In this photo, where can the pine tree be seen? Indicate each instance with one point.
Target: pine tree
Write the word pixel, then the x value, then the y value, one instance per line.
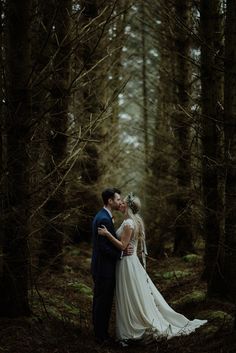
pixel 211 102
pixel 52 238
pixel 181 125
pixel 15 278
pixel 95 17
pixel 230 150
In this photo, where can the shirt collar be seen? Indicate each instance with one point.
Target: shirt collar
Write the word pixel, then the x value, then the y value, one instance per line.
pixel 108 211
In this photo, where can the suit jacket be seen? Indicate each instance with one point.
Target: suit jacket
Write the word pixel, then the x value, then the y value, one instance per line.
pixel 105 254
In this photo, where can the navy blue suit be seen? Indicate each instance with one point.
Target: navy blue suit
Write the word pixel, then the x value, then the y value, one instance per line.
pixel 103 266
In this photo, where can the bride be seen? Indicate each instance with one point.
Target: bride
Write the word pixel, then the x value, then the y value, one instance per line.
pixel 141 311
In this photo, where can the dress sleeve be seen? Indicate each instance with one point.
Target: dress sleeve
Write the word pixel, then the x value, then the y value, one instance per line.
pixel 129 222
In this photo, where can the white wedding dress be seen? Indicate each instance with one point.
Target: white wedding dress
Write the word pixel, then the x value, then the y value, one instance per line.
pixel 141 311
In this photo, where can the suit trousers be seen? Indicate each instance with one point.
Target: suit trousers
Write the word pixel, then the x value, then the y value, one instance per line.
pixel 102 305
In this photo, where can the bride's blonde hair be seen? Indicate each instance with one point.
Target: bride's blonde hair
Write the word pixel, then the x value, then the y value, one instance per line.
pixel 134 206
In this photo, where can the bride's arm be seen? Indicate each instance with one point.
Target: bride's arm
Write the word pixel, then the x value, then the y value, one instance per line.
pixel 124 240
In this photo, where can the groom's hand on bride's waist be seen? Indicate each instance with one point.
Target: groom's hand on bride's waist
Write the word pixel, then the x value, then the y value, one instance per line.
pixel 129 250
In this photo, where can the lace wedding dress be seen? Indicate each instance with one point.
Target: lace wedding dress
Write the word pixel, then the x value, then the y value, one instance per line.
pixel 141 311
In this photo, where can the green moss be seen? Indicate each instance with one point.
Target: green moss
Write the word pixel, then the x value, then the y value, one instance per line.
pixel 191 298
pixel 73 251
pixel 53 311
pixel 71 309
pixel 175 274
pixel 215 319
pixel 218 315
pixel 192 258
pixel 209 329
pixel 81 288
pixel 68 269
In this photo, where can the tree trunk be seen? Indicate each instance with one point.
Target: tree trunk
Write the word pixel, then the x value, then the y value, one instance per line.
pixel 116 80
pixel 14 281
pixel 181 124
pixel 144 84
pixel 92 54
pixel 42 54
pixel 160 210
pixel 1 92
pixel 2 171
pixel 211 97
pixel 230 150
pixel 52 238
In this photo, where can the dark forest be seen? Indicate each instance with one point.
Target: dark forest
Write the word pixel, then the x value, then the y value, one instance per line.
pixel 138 95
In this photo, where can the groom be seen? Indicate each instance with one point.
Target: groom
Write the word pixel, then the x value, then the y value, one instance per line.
pixel 103 266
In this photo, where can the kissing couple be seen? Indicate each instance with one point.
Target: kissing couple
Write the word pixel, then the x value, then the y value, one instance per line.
pixel 142 314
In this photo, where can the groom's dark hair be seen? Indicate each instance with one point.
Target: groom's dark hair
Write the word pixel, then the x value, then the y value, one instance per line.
pixel 109 193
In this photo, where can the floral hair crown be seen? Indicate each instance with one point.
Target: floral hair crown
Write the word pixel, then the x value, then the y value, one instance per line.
pixel 130 203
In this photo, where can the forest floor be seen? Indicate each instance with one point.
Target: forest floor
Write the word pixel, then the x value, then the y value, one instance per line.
pixel 61 305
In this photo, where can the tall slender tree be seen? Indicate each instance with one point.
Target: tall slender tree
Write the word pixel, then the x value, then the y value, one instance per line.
pixel 41 53
pixel 2 145
pixel 1 86
pixel 230 149
pixel 211 101
pixel 15 280
pixel 144 82
pixel 160 184
pixel 52 239
pixel 95 17
pixel 117 78
pixel 181 125
pixel 1 96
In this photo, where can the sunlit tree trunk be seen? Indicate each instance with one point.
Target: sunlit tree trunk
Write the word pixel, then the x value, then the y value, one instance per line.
pixel 115 83
pixel 211 100
pixel 181 124
pixel 118 37
pixel 15 280
pixel 230 150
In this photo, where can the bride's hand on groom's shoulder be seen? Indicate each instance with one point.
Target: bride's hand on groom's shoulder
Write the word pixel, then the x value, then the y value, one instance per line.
pixel 102 230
